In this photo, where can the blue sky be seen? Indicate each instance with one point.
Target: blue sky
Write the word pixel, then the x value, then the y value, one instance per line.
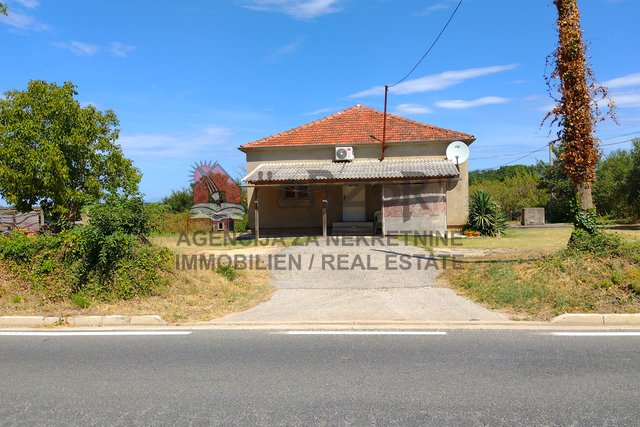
pixel 192 80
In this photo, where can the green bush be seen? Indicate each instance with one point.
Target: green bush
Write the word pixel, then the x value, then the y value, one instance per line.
pixel 227 271
pixel 485 215
pixel 603 244
pixel 17 247
pixel 240 226
pixel 156 213
pixel 109 258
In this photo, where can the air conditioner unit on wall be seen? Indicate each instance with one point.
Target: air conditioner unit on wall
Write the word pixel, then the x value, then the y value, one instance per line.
pixel 344 154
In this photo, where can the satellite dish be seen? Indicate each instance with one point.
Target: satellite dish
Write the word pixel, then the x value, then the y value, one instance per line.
pixel 458 152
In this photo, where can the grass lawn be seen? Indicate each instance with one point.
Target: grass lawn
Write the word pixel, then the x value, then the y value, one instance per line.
pixel 631 232
pixel 518 242
pixel 523 240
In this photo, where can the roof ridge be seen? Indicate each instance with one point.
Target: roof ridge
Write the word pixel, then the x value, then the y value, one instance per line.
pixel 414 122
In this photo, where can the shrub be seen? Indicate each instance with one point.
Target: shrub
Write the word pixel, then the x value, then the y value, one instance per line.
pixel 155 213
pixel 240 226
pixel 17 247
pixel 485 215
pixel 227 271
pixel 109 258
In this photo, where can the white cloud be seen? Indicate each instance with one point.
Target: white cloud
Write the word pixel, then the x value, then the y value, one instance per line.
pixel 435 81
pixel 301 9
pixel 120 50
pixel 459 104
pixel 437 7
pixel 22 21
pixel 150 145
pixel 30 4
pixel 322 111
pixel 624 81
pixel 546 108
pixel 79 48
pixel 285 50
pixel 629 99
pixel 412 109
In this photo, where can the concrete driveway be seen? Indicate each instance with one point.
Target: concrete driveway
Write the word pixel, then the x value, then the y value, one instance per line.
pixel 359 279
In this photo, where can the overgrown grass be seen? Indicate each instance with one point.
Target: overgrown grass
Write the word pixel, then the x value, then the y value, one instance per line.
pixel 191 296
pixel 601 277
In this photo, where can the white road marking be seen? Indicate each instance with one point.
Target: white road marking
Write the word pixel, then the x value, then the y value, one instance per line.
pixel 596 334
pixel 89 333
pixel 351 332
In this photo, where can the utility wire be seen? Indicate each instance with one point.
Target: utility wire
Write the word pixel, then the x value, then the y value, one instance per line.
pixel 620 136
pixel 527 153
pixel 431 47
pixel 542 148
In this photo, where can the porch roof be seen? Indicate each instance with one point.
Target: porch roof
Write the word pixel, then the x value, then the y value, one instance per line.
pixel 359 170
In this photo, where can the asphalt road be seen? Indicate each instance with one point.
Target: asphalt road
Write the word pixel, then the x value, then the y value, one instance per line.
pixel 267 378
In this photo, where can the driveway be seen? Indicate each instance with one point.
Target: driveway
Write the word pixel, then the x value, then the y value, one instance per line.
pixel 359 279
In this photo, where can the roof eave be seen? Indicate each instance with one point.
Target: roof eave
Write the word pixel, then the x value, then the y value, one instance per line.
pixel 248 147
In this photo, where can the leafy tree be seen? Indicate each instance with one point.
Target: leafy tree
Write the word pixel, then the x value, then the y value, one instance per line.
pixel 576 111
pixel 57 154
pixel 610 190
pixel 504 172
pixel 179 200
pixel 561 192
pixel 513 187
pixel 3 9
pixel 633 180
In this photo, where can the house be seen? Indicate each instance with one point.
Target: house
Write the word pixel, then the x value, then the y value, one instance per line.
pixel 335 175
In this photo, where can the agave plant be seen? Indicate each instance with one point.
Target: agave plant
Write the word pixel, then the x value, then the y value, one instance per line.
pixel 485 215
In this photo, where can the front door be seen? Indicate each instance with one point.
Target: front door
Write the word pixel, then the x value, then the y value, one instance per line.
pixel 353 203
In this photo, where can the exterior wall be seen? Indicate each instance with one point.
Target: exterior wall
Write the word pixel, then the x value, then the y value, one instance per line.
pixel 457 189
pixel 458 198
pixel 414 208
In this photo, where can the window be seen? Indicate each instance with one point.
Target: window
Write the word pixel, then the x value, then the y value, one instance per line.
pixel 296 192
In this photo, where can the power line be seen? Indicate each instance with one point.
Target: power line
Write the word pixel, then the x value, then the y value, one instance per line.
pixel 538 150
pixel 430 47
pixel 503 155
pixel 617 143
pixel 620 136
pixel 544 147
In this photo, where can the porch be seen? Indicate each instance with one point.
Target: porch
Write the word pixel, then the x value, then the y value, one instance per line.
pixel 390 197
pixel 375 208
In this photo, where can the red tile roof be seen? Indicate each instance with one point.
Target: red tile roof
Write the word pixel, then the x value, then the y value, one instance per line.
pixel 358 124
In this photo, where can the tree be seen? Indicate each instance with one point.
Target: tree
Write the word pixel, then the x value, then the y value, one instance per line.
pixel 610 188
pixel 57 154
pixel 561 192
pixel 633 180
pixel 179 200
pixel 576 110
pixel 3 9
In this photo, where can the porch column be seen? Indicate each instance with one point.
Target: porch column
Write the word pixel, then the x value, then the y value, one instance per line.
pixel 256 213
pixel 325 204
pixel 384 226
